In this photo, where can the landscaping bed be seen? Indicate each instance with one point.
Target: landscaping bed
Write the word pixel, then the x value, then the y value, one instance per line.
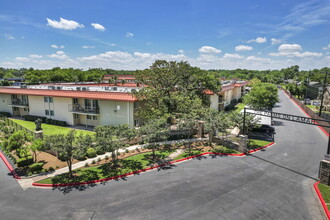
pixel 325 191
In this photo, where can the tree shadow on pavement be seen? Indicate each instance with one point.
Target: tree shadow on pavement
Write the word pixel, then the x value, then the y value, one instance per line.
pixel 283 167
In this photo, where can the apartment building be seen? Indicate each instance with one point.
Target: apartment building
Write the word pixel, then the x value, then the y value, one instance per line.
pixel 231 90
pixel 93 104
pixel 77 104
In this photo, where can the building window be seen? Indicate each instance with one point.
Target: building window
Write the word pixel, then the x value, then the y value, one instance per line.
pixel 47 112
pixel 89 117
pixel 94 117
pixel 15 109
pixel 76 116
pixel 14 97
pixel 75 101
pixel 48 99
pixel 51 113
pixel 26 109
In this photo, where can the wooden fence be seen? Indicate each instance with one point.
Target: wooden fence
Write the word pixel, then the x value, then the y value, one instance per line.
pixel 309 112
pixel 17 126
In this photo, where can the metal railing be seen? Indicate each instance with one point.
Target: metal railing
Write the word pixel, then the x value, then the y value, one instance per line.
pixel 83 109
pixel 18 102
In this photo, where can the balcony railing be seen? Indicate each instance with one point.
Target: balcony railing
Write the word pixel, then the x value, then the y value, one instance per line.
pixel 83 109
pixel 18 102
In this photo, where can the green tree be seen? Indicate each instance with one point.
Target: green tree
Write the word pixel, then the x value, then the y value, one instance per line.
pixel 66 148
pixel 154 131
pixel 251 121
pixel 18 139
pixel 36 147
pixel 173 87
pixel 262 96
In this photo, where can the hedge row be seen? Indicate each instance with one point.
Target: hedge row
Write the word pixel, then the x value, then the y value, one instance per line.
pixel 44 120
pixel 6 114
pixel 26 161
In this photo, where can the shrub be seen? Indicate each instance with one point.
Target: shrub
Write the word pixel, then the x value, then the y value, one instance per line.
pixel 93 162
pixel 86 165
pixel 100 151
pixel 106 157
pixel 6 114
pixel 36 167
pixel 126 151
pixel 51 169
pixel 34 118
pixel 48 120
pixel 57 167
pixel 23 162
pixel 91 152
pixel 99 159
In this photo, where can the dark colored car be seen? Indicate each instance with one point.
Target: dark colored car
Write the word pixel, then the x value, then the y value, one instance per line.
pixel 265 128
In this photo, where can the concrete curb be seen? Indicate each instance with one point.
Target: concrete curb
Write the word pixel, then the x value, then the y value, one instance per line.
pixel 10 168
pixel 149 168
pixel 324 205
pixel 326 133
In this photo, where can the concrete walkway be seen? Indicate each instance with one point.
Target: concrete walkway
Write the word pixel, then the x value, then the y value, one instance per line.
pixel 27 182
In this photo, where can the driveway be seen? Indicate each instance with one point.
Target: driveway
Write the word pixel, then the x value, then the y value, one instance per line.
pixel 273 184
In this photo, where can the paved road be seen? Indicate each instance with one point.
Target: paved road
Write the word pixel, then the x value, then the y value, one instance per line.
pixel 273 184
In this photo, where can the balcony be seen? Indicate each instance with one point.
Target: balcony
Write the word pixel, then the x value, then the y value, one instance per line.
pixel 83 109
pixel 18 102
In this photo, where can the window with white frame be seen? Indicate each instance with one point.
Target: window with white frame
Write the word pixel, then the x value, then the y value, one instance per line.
pixel 46 112
pixel 89 117
pixel 51 112
pixel 94 117
pixel 76 116
pixel 48 99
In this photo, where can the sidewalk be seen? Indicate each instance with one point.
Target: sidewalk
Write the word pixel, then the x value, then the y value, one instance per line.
pixel 27 182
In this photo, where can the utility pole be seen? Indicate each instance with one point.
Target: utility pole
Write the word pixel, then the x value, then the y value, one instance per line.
pixel 324 86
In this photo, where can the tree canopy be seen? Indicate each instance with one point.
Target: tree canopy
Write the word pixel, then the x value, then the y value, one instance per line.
pixel 262 96
pixel 173 87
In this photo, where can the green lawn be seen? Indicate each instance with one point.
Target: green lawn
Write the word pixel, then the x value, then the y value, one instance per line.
pixel 50 129
pixel 127 165
pixel 312 107
pixel 254 144
pixel 239 107
pixel 325 191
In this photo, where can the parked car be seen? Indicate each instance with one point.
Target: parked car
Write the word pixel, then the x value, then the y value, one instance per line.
pixel 316 103
pixel 308 102
pixel 264 128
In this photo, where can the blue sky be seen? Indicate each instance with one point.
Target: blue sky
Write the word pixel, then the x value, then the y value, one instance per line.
pixel 131 34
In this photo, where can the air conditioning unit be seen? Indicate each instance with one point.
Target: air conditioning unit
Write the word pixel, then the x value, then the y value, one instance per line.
pixel 58 87
pixel 114 88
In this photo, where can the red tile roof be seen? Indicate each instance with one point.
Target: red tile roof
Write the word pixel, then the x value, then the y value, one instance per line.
pixel 114 96
pixel 127 84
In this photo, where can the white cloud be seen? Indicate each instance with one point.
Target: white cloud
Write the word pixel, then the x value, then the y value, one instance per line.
pixel 258 40
pixel 57 46
pixel 209 50
pixel 113 45
pixel 233 56
pixel 258 59
pixel 276 41
pixel 9 37
pixel 64 24
pixel 180 51
pixel 243 48
pixel 98 26
pixel 88 47
pixel 327 47
pixel 58 55
pixel 293 50
pixel 35 56
pixel 128 34
pixel 289 47
pixel 22 59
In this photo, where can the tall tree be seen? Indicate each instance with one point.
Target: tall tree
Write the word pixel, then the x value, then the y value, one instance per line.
pixel 173 87
pixel 262 96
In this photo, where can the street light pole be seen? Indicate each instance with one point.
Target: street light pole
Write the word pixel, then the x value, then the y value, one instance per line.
pixel 309 74
pixel 244 121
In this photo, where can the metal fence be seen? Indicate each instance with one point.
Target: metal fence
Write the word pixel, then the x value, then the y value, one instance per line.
pixel 309 112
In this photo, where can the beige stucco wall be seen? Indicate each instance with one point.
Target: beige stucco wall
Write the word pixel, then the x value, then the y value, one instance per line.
pixel 4 100
pixel 59 106
pixel 214 99
pixel 110 115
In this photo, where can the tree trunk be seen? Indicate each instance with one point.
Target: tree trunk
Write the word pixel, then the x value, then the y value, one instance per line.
pixel 154 153
pixel 69 162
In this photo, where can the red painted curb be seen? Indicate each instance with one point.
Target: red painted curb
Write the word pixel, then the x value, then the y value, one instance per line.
pixel 10 168
pixel 326 133
pixel 146 169
pixel 324 205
